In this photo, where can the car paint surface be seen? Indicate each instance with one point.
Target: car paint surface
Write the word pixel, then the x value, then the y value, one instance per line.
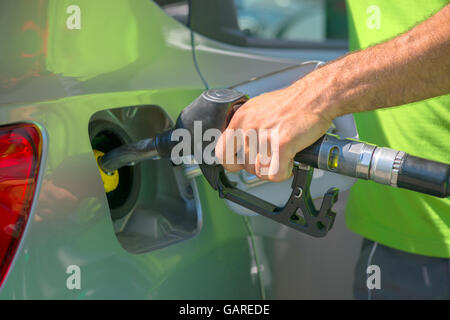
pixel 125 53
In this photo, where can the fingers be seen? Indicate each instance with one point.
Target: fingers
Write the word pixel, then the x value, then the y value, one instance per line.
pixel 264 157
pixel 256 152
pixel 281 170
pixel 272 163
pixel 274 168
pixel 242 146
pixel 237 150
pixel 226 151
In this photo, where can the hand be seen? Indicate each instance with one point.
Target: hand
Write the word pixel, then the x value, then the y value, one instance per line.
pixel 295 113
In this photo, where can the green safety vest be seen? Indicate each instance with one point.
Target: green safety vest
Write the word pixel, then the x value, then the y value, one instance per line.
pixel 398 218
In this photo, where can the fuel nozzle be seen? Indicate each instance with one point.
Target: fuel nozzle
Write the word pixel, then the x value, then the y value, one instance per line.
pixel 110 178
pixel 348 157
pixel 128 155
pixel 214 108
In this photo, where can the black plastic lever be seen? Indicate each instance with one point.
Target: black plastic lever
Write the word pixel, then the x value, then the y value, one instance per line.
pixel 298 213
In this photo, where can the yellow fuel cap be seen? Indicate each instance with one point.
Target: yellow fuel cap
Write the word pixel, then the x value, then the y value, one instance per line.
pixel 111 180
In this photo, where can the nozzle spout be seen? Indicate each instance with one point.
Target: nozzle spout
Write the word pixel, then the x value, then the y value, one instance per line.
pixel 128 154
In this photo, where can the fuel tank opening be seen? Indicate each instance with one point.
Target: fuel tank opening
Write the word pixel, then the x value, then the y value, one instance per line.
pixel 122 188
pixel 155 204
pixel 110 179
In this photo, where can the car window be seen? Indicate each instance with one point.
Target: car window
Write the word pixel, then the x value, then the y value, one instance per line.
pixel 319 24
pixel 310 20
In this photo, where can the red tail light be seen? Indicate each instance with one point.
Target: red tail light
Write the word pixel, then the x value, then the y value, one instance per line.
pixel 20 150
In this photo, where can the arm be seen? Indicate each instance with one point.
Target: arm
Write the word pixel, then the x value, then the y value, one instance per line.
pixel 411 67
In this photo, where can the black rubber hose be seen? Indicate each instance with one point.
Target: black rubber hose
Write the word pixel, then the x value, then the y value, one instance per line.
pixel 164 143
pixel 425 176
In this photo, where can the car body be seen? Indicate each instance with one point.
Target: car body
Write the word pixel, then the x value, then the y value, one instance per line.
pixel 69 64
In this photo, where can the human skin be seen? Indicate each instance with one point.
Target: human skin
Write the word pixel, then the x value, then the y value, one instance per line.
pixel 411 67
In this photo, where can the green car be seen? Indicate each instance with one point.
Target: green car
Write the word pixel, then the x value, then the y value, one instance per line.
pixel 84 75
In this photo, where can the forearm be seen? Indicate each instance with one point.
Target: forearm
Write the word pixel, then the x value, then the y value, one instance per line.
pixel 411 67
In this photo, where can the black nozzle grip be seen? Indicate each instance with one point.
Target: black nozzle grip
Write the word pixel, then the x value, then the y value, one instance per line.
pixel 310 155
pixel 164 143
pixel 213 109
pixel 425 176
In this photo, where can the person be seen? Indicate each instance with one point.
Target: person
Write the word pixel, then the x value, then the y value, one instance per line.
pixel 398 86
